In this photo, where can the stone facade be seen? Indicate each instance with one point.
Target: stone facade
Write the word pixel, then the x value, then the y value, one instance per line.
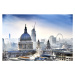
pixel 25 45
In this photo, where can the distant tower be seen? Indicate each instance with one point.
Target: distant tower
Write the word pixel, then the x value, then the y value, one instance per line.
pixel 52 40
pixel 3 43
pixel 33 34
pixel 38 44
pixel 48 45
pixel 9 36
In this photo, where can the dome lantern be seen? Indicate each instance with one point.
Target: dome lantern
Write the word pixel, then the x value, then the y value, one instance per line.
pixel 25 30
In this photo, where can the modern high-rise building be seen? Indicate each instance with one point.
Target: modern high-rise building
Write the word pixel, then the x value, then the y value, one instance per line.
pixel 33 34
pixel 9 36
pixel 52 39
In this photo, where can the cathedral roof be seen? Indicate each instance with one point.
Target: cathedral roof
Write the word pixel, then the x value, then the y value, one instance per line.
pixel 25 36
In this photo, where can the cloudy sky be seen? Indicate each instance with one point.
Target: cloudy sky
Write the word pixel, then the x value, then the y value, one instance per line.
pixel 46 25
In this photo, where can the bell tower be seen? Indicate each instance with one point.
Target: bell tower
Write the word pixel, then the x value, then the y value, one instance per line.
pixel 48 45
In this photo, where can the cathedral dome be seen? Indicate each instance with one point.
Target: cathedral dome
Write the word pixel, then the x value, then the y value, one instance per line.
pixel 25 36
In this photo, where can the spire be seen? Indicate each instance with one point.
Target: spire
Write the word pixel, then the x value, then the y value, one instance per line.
pixel 25 25
pixel 48 41
pixel 38 41
pixel 38 44
pixel 48 45
pixel 25 30
pixel 34 25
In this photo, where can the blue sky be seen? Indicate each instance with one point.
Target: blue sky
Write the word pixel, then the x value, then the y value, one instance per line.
pixel 46 24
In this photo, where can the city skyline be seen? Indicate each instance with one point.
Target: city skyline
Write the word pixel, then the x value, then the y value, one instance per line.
pixel 44 28
pixel 46 25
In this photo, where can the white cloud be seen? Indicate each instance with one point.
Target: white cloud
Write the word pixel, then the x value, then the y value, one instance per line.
pixel 15 26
